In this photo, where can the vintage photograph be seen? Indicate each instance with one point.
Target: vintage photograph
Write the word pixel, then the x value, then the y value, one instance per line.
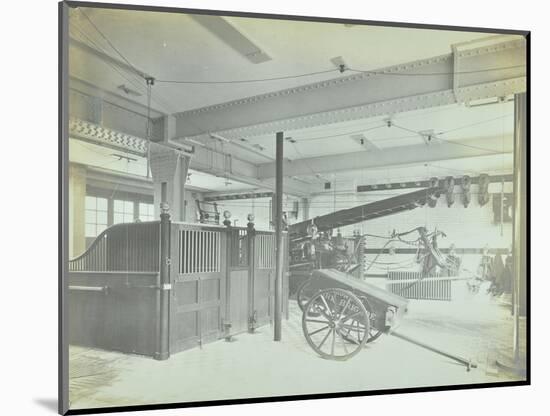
pixel 264 206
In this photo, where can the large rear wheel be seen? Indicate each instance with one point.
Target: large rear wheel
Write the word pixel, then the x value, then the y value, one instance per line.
pixel 336 324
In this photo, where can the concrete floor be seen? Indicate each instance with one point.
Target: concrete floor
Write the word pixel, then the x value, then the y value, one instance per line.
pixel 476 327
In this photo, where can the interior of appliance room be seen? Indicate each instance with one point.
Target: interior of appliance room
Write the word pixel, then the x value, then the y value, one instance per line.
pixel 251 198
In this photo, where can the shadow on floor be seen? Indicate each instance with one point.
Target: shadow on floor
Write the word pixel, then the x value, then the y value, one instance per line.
pixel 49 404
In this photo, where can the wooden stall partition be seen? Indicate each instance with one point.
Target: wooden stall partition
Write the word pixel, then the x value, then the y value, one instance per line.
pixel 113 290
pixel 263 277
pixel 198 279
pixel 286 275
pixel 238 281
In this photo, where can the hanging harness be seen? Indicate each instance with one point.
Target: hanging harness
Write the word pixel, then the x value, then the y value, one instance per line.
pixel 427 252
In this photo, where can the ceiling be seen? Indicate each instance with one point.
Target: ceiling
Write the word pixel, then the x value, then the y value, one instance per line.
pixel 172 46
pixel 450 123
pixel 177 47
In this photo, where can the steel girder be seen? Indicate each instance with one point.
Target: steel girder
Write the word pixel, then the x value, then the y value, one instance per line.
pixel 465 75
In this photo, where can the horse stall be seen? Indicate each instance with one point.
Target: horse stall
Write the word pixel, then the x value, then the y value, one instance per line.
pixel 157 288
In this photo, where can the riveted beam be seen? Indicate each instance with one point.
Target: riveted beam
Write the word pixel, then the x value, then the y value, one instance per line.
pixel 489 71
pixel 403 155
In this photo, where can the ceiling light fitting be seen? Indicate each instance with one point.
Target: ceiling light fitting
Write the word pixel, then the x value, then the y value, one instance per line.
pixel 427 136
pixel 129 91
pixel 339 63
pixel 195 142
pixel 220 138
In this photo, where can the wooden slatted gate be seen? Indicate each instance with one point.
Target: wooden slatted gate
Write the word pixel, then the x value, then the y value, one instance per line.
pixel 198 273
pixel 263 278
pixel 426 290
pixel 239 282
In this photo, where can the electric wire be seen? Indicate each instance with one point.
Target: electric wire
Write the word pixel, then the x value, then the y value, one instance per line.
pixel 303 75
pixel 304 160
pixel 476 123
pixel 244 81
pixel 429 74
pixel 342 134
pixel 453 142
pixel 87 38
pixel 368 125
pixel 135 82
pixel 414 132
pixel 371 72
pixel 308 74
pixel 110 43
pixel 137 72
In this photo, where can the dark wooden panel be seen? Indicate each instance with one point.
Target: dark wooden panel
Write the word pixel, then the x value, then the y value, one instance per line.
pixel 238 301
pixel 210 290
pixel 185 333
pixel 264 280
pixel 121 317
pixel 187 293
pixel 210 325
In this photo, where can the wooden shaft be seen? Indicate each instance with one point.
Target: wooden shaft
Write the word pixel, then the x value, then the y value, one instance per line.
pixel 461 360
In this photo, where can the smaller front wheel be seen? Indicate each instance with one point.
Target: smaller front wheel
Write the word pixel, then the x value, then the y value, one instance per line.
pixel 304 293
pixel 335 324
pixel 373 333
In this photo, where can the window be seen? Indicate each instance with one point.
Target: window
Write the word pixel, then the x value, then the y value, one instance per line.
pixel 123 211
pixel 96 215
pixel 146 212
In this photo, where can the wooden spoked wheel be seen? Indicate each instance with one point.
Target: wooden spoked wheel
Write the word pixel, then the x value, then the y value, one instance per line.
pixel 373 332
pixel 330 314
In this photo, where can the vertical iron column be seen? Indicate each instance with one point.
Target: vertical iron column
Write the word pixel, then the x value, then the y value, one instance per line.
pixel 228 264
pixel 251 252
pixel 163 351
pixel 516 363
pixel 279 266
pixel 519 223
